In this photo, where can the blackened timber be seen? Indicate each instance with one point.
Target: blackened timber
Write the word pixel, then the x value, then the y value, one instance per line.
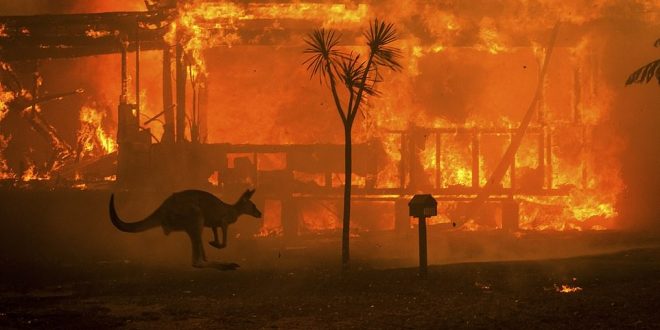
pixel 168 106
pixel 438 161
pixel 548 158
pixel 202 109
pixel 512 172
pixel 475 159
pixel 180 94
pixel 137 72
pixel 403 169
pixel 503 165
pixel 541 153
pixel 77 35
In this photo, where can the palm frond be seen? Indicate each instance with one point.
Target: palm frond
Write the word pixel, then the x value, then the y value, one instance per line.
pixel 351 72
pixel 322 45
pixel 645 74
pixel 379 36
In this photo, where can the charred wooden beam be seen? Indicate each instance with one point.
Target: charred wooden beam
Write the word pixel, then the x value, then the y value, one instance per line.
pixel 180 69
pixel 77 35
pixel 168 104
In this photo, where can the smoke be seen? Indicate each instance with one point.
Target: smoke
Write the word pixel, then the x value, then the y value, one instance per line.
pixel 465 63
pixel 43 7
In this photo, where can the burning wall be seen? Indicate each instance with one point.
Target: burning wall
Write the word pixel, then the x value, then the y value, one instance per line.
pixel 466 65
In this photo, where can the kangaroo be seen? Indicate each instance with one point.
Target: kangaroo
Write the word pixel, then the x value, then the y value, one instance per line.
pixel 191 211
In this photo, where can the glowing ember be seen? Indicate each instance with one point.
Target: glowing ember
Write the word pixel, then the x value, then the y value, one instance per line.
pixel 29 174
pixel 272 225
pixel 80 186
pixel 97 34
pixel 213 179
pixel 564 288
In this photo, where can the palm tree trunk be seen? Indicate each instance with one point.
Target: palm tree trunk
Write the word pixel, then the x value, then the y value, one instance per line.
pixel 346 222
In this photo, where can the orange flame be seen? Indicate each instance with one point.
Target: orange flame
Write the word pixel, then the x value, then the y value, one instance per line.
pixel 5 171
pixel 91 135
pixel 564 288
pixel 31 174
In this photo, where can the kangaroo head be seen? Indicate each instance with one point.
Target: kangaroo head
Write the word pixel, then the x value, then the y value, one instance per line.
pixel 246 206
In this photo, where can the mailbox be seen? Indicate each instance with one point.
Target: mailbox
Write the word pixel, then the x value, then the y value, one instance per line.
pixel 423 206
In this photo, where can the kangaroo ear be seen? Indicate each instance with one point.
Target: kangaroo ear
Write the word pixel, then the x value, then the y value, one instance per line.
pixel 248 194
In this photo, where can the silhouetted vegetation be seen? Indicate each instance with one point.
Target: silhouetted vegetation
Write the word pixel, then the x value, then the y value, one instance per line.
pixel 646 73
pixel 358 77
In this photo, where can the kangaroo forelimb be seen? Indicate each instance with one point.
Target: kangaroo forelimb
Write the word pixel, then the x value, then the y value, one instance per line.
pixel 215 242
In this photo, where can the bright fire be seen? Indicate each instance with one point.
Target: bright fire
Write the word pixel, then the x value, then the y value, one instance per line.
pixel 463 69
pixel 91 136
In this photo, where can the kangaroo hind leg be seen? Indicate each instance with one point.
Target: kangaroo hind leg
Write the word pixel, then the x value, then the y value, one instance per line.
pixel 195 234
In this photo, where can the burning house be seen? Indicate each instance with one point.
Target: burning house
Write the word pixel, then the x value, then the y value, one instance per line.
pixel 157 96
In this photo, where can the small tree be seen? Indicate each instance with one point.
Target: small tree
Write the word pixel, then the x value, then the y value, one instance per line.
pixel 358 77
pixel 646 73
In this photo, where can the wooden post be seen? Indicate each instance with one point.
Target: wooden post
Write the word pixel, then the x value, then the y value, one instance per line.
pixel 422 247
pixel 404 160
pixel 513 171
pixel 124 75
pixel 541 156
pixel 121 115
pixel 475 159
pixel 180 94
pixel 548 158
pixel 202 110
pixel 168 134
pixel 137 72
pixel 438 160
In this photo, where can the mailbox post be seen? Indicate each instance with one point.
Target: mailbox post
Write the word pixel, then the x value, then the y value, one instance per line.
pixel 421 207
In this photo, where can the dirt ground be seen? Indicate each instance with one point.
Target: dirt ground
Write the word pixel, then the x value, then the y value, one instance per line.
pixel 618 290
pixel 64 266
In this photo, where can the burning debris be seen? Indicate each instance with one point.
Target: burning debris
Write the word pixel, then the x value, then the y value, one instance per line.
pixel 564 288
pixel 92 138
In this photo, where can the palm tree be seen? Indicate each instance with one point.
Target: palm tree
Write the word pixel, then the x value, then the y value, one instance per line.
pixel 647 72
pixel 358 77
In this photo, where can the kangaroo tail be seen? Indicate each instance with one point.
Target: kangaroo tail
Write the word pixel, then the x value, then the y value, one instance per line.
pixel 132 227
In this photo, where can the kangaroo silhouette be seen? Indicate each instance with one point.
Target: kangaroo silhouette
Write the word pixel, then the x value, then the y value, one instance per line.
pixel 190 211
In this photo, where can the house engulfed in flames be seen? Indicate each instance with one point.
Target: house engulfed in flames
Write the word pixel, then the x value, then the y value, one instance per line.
pixel 212 95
